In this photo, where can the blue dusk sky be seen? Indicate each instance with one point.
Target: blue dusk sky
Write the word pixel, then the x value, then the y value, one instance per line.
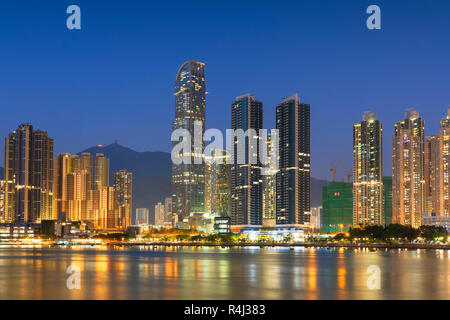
pixel 114 78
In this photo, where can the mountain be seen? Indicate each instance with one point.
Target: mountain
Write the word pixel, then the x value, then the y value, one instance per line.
pixel 152 174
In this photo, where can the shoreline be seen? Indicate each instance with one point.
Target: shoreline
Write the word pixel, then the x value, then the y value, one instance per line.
pixel 412 246
pixel 370 246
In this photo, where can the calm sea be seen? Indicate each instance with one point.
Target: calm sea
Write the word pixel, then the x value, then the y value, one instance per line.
pixel 222 273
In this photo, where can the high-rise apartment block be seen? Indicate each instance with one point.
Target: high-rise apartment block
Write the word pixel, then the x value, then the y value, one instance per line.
pixel 408 170
pixel 368 172
pixel 123 187
pixel 28 175
pixel 439 169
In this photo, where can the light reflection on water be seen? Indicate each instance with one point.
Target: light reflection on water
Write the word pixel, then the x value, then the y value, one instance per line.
pixel 222 273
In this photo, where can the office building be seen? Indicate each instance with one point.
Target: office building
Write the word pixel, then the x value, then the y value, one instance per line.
pixel 188 180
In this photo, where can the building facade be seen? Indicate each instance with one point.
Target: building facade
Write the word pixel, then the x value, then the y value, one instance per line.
pixel 293 193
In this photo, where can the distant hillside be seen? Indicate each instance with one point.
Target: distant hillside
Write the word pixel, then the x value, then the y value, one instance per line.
pixel 152 174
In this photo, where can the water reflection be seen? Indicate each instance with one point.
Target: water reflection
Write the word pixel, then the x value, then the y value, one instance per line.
pixel 222 273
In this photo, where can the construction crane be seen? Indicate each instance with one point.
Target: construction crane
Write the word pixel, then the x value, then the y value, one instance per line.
pixel 348 173
pixel 333 167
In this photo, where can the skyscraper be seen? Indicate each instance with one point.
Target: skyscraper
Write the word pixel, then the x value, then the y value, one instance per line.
pixel 440 168
pixel 408 170
pixel 246 180
pixel 101 171
pixel 123 186
pixel 28 175
pixel 188 180
pixel 367 171
pixel 293 178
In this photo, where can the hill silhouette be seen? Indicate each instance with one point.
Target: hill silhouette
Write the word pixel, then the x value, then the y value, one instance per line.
pixel 152 174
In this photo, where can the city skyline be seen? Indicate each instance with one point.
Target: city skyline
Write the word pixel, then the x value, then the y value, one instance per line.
pixel 135 86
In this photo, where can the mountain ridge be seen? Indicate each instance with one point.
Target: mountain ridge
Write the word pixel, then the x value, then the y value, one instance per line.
pixel 152 174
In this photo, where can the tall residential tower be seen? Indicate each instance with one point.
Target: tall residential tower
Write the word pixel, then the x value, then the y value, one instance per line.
pixel 408 170
pixel 28 175
pixel 368 171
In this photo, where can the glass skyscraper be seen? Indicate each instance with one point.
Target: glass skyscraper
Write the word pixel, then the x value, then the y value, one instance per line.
pixel 246 180
pixel 293 194
pixel 188 180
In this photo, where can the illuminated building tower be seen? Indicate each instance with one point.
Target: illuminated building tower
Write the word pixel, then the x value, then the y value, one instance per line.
pixel 440 168
pixel 101 171
pixel 28 175
pixel 188 180
pixel 2 201
pixel 107 209
pixel 217 183
pixel 159 214
pixel 62 168
pixel 123 185
pixel 408 170
pixel 293 178
pixel 367 172
pixel 270 188
pixel 80 196
pixel 246 180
